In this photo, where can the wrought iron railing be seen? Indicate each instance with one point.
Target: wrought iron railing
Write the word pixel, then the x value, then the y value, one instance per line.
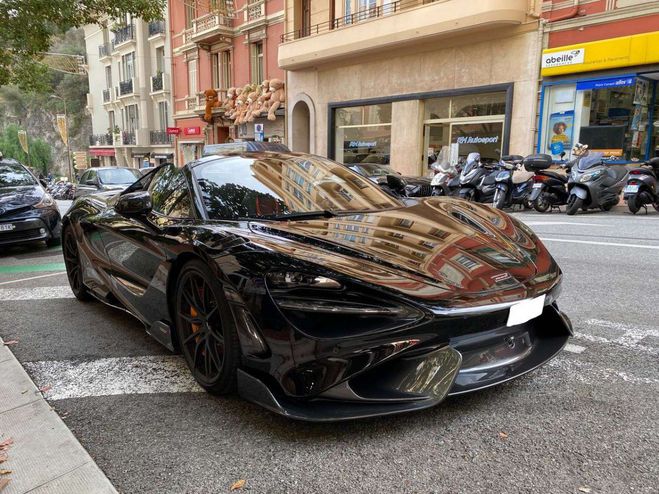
pixel 104 50
pixel 156 82
pixel 126 87
pixel 128 137
pixel 350 19
pixel 100 140
pixel 156 28
pixel 160 137
pixel 107 96
pixel 123 34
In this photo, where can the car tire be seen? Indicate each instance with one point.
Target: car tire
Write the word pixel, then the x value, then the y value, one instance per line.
pixel 71 254
pixel 573 205
pixel 205 329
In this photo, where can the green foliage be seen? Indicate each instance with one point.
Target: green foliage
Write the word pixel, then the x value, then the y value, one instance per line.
pixel 27 28
pixel 40 152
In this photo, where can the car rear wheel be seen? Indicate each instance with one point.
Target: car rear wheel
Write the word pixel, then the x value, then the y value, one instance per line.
pixel 72 264
pixel 205 329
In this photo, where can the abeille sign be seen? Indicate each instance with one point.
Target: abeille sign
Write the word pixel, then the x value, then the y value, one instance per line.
pixel 560 58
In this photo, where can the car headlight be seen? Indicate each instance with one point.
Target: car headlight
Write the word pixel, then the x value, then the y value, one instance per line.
pixel 300 280
pixel 46 202
pixel 591 176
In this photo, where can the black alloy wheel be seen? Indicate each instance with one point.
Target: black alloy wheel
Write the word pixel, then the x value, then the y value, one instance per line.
pixel 72 263
pixel 573 204
pixel 206 333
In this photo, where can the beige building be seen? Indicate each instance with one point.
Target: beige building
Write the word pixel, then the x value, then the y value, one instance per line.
pixel 403 82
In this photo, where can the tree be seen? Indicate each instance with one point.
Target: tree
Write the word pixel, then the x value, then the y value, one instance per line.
pixel 27 28
pixel 40 152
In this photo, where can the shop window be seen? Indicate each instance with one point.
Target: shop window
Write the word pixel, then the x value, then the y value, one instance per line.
pixel 437 108
pixel 363 134
pixel 478 105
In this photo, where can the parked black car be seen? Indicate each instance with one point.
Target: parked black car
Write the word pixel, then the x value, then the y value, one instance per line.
pixel 414 186
pixel 312 291
pixel 102 179
pixel 27 212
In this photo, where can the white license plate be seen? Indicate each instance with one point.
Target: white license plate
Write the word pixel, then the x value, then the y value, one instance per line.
pixel 631 189
pixel 7 227
pixel 525 311
pixel 537 186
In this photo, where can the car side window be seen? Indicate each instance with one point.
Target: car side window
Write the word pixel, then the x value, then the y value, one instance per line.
pixel 170 195
pixel 91 175
pixel 84 176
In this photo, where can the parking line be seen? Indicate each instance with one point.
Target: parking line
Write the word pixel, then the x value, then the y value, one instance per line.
pixel 36 293
pixel 31 278
pixel 574 348
pixel 590 242
pixel 31 268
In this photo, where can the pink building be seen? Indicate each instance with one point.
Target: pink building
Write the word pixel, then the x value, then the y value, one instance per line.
pixel 222 44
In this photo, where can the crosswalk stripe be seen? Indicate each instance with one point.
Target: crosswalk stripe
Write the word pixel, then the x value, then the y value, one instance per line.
pixel 113 376
pixel 36 293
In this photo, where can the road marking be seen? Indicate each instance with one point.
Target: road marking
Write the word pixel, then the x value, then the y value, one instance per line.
pixel 543 223
pixel 588 373
pixel 31 268
pixel 113 376
pixel 574 348
pixel 31 278
pixel 36 293
pixel 590 242
pixel 630 336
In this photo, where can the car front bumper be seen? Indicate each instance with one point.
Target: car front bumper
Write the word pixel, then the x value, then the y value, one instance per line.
pixel 30 226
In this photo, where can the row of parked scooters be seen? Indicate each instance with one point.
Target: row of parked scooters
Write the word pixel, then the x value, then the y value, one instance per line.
pixel 62 190
pixel 587 181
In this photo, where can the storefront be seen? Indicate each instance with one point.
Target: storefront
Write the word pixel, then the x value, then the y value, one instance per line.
pixel 613 108
pixel 453 124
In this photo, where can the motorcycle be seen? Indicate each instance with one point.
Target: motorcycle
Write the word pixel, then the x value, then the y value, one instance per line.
pixel 641 188
pixel 513 185
pixel 477 180
pixel 549 187
pixel 593 183
pixel 445 173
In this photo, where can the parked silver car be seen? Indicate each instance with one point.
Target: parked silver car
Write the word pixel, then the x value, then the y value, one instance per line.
pixel 106 179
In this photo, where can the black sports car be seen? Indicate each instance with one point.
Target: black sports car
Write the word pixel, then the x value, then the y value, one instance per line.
pixel 27 211
pixel 312 291
pixel 414 186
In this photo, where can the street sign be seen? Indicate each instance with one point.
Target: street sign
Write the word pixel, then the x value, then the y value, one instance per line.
pixel 192 131
pixel 258 132
pixel 80 160
pixel 173 131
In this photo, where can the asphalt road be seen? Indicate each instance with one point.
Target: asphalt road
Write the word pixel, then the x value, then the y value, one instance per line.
pixel 587 422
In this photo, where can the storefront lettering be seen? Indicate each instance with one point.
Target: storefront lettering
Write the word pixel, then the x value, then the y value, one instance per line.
pixel 362 144
pixel 569 57
pixel 478 140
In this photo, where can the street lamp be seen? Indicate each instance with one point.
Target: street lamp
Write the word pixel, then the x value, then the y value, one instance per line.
pixel 68 148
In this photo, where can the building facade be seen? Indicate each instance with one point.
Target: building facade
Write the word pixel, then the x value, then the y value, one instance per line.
pixel 223 52
pixel 129 67
pixel 600 68
pixel 401 82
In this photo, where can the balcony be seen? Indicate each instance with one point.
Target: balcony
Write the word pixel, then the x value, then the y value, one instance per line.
pixel 127 88
pixel 160 137
pixel 156 28
pixel 398 24
pixel 100 140
pixel 128 138
pixel 210 28
pixel 255 11
pixel 107 96
pixel 123 35
pixel 159 83
pixel 104 51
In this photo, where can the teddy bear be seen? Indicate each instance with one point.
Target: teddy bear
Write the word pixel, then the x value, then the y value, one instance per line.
pixel 251 103
pixel 241 98
pixel 230 103
pixel 277 97
pixel 261 104
pixel 212 101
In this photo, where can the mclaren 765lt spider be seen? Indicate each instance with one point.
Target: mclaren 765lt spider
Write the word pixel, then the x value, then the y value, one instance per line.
pixel 306 288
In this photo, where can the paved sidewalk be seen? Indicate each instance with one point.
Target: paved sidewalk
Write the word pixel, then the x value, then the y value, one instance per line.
pixel 45 457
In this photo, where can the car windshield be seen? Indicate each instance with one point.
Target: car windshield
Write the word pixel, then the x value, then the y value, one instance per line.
pixel 118 176
pixel 590 160
pixel 15 175
pixel 259 187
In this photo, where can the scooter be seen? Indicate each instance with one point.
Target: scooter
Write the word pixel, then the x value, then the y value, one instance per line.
pixel 641 188
pixel 513 185
pixel 593 183
pixel 549 187
pixel 477 180
pixel 444 173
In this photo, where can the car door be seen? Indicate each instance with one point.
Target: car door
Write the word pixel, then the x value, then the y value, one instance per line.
pixel 139 248
pixel 88 184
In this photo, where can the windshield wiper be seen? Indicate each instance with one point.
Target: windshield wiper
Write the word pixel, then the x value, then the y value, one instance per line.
pixel 300 215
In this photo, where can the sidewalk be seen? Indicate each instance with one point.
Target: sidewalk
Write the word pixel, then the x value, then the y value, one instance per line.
pixel 45 457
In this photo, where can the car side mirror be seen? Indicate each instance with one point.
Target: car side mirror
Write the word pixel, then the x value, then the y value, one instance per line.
pixel 134 203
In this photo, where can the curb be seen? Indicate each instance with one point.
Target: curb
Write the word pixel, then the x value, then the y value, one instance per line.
pixel 45 456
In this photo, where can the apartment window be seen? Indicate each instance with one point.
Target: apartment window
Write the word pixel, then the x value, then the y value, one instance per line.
pixel 190 12
pixel 224 69
pixel 257 62
pixel 128 66
pixel 108 76
pixel 160 59
pixel 132 118
pixel 163 115
pixel 111 121
pixel 192 77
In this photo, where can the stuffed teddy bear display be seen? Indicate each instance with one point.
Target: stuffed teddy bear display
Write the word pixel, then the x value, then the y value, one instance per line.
pixel 277 97
pixel 261 104
pixel 237 101
pixel 230 102
pixel 212 101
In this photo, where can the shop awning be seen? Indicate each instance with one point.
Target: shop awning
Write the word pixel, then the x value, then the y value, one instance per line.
pixel 101 152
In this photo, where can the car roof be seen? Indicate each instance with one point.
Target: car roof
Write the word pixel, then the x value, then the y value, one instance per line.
pixel 250 155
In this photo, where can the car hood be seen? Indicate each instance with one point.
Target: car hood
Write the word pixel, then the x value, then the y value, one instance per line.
pixel 16 198
pixel 439 250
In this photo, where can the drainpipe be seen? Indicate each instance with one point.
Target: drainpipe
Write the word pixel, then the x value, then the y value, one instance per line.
pixel 538 80
pixel 569 14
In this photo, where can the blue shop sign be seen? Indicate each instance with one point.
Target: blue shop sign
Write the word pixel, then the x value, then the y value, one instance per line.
pixel 606 83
